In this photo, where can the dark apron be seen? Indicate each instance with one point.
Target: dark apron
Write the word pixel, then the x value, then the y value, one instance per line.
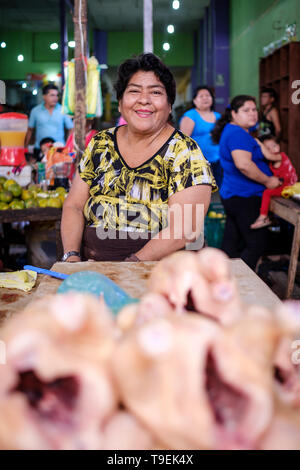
pixel 108 249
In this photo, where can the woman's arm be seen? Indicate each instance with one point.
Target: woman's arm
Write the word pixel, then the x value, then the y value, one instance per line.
pixel 28 136
pixel 243 161
pixel 187 125
pixel 273 157
pixel 187 210
pixel 274 117
pixel 72 222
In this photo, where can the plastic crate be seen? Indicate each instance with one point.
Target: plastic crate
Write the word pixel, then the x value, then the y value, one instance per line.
pixel 214 227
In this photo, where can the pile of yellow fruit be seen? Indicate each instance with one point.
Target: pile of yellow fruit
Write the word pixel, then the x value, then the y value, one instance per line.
pixel 215 215
pixel 13 196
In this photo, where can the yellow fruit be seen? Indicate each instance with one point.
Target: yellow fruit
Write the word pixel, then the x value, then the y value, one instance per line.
pixel 3 206
pixel 61 190
pixel 15 189
pixel 42 202
pixel 219 216
pixel 17 204
pixel 2 179
pixel 62 198
pixel 26 195
pixel 34 187
pixel 29 203
pixel 8 183
pixel 54 202
pixel 6 196
pixel 1 187
pixel 212 214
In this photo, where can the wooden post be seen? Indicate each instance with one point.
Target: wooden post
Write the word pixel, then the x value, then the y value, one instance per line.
pixel 80 27
pixel 148 26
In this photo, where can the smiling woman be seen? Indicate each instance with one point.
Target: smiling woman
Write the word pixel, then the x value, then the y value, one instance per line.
pixel 132 177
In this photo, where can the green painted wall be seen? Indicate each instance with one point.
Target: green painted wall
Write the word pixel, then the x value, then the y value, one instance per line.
pixel 30 45
pixel 254 25
pixel 39 58
pixel 122 45
pixel 35 47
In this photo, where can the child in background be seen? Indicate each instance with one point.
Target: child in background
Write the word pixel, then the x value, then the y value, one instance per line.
pixel 45 145
pixel 281 167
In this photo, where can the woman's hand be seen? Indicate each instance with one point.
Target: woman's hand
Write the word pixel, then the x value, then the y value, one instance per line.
pixel 273 182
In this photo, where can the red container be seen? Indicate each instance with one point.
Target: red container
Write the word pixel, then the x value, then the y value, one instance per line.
pixel 13 128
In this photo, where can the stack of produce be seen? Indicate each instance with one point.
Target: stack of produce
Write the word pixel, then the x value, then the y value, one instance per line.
pixel 13 196
pixel 188 367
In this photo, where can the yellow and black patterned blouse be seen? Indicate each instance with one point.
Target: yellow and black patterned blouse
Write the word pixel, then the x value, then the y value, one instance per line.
pixel 135 199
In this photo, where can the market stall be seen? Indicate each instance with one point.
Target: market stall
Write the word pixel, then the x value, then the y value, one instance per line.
pixel 195 363
pixel 290 211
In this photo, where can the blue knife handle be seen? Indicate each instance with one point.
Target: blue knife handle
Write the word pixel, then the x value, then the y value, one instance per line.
pixel 46 271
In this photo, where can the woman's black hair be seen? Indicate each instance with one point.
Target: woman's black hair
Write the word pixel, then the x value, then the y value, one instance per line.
pixel 147 62
pixel 264 138
pixel 47 140
pixel 273 93
pixel 211 92
pixel 226 118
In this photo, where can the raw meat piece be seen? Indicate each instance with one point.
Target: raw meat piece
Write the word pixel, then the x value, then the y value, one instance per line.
pixel 198 282
pixel 56 389
pixel 284 430
pixel 189 381
pixel 287 357
pixel 125 432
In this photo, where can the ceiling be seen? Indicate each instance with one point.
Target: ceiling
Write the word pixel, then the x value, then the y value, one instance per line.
pixel 107 15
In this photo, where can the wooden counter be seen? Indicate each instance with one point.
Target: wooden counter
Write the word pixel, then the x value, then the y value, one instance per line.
pixel 132 277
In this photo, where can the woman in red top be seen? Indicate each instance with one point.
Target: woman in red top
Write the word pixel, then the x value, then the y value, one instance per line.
pixel 281 167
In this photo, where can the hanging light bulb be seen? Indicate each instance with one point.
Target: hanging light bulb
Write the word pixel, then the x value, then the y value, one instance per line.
pixel 166 46
pixel 54 46
pixel 24 85
pixel 170 29
pixel 71 43
pixel 176 4
pixel 3 44
pixel 34 92
pixel 20 57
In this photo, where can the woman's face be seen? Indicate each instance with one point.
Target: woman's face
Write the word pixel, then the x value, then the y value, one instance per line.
pixel 266 99
pixel 272 146
pixel 144 104
pixel 247 115
pixel 203 100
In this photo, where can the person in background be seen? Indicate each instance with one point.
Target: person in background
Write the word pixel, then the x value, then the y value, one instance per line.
pixel 131 176
pixel 199 122
pixel 45 145
pixel 281 167
pixel 47 120
pixel 246 175
pixel 269 120
pixel 89 134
